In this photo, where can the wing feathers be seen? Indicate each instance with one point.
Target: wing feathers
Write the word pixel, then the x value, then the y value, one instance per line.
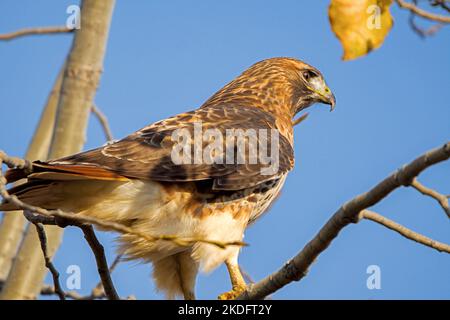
pixel 146 154
pixel 58 171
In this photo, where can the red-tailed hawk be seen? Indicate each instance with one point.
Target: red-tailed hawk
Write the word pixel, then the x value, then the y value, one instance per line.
pixel 138 182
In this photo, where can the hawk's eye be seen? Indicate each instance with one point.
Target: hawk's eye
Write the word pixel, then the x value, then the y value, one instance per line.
pixel 308 75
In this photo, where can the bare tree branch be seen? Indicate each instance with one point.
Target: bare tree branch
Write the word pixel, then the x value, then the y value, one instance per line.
pixel 48 290
pixel 98 290
pixel 103 122
pixel 407 233
pixel 38 218
pixel 102 265
pixel 96 247
pixel 35 31
pixel 422 13
pixel 96 293
pixel 423 33
pixel 441 3
pixel 48 263
pixel 296 268
pixel 442 199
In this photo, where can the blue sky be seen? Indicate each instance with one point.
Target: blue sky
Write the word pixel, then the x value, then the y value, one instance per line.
pixel 166 57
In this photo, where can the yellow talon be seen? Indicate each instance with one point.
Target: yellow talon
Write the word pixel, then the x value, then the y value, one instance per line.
pixel 233 294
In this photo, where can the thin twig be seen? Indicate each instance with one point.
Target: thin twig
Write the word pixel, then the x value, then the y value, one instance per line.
pixel 102 265
pixel 247 277
pixel 49 290
pixel 48 262
pixel 440 198
pixel 35 31
pixel 39 218
pixel 97 292
pixel 422 13
pixel 423 33
pixel 442 4
pixel 300 119
pixel 407 233
pixel 103 122
pixel 297 268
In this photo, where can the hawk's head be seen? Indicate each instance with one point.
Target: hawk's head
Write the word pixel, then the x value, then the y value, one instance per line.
pixel 309 85
pixel 277 85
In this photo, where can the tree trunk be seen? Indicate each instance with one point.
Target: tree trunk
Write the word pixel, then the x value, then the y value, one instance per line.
pixel 13 223
pixel 81 78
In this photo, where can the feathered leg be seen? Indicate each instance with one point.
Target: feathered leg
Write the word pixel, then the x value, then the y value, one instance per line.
pixel 237 280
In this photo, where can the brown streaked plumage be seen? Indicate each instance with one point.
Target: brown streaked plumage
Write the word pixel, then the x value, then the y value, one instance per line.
pixel 134 181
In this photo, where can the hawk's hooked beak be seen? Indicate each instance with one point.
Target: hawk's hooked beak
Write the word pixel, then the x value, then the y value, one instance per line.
pixel 329 98
pixel 323 93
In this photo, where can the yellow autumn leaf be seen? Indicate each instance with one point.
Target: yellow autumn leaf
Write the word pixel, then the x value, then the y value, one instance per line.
pixel 360 25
